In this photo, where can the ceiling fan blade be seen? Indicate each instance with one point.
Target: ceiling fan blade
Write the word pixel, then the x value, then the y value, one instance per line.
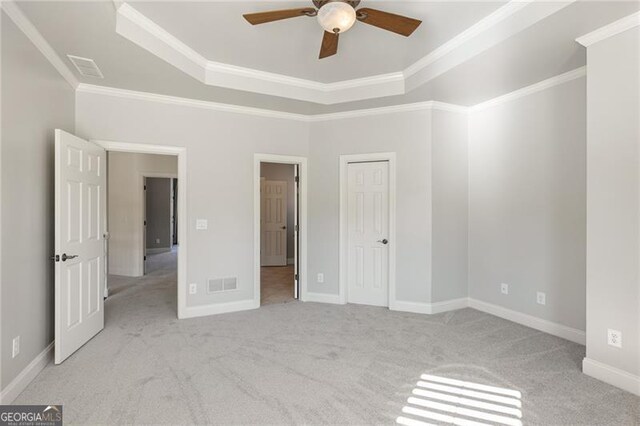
pixel 276 15
pixel 329 44
pixel 388 21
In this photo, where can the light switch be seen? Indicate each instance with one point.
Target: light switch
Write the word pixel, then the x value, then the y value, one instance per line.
pixel 201 224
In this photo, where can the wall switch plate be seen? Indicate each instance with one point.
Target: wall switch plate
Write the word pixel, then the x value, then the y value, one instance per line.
pixel 16 347
pixel 541 298
pixel 202 224
pixel 614 338
pixel 504 288
pixel 321 277
pixel 193 288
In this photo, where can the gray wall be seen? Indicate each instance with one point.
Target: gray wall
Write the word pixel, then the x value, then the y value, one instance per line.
pixel 527 203
pixel 285 172
pixel 613 194
pixel 408 134
pixel 35 101
pixel 158 213
pixel 450 189
pixel 220 149
pixel 126 207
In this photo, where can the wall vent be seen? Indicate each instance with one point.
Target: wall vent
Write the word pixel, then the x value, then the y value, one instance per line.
pixel 217 285
pixel 230 284
pixel 85 66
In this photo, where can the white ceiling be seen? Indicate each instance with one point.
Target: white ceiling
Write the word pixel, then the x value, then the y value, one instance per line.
pixel 87 29
pixel 217 31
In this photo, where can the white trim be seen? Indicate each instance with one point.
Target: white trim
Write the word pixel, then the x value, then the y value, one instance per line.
pixel 181 153
pixel 29 30
pixel 431 308
pixel 611 375
pixel 602 33
pixel 323 298
pixel 559 330
pixel 417 106
pixel 534 88
pixel 344 163
pixel 392 109
pixel 467 35
pixel 26 376
pixel 218 308
pixel 511 18
pixel 302 212
pixel 175 100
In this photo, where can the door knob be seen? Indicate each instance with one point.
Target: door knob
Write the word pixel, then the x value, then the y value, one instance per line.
pixel 66 256
pixel 284 227
pixel 385 241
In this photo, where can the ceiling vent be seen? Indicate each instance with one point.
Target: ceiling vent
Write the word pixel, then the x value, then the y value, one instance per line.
pixel 85 66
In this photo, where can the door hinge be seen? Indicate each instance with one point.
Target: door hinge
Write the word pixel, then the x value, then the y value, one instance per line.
pixel 295 277
pixel 145 187
pixel 145 223
pixel 297 179
pixel 145 258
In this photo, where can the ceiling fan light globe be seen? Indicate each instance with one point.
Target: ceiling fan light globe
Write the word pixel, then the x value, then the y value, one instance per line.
pixel 336 17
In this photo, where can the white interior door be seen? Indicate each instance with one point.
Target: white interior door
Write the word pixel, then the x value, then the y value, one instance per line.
pixel 273 214
pixel 368 231
pixel 80 225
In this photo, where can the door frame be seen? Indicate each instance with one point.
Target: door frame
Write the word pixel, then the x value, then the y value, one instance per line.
pixel 344 218
pixel 302 225
pixel 181 153
pixel 142 178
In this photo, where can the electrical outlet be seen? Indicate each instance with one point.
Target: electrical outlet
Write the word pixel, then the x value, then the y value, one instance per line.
pixel 193 288
pixel 614 338
pixel 541 298
pixel 504 288
pixel 157 240
pixel 16 347
pixel 321 277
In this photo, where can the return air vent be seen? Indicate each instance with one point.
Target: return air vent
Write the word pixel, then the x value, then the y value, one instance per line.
pixel 85 66
pixel 218 285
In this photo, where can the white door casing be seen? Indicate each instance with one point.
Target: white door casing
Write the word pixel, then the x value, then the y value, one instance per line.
pixel 273 223
pixel 80 227
pixel 368 233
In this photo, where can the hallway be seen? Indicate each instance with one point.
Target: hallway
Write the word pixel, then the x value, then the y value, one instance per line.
pixel 276 284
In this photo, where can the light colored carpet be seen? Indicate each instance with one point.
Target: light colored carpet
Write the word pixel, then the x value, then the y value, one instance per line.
pixel 308 363
pixel 276 284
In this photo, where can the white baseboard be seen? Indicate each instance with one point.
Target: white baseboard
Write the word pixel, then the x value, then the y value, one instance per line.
pixel 429 308
pixel 613 376
pixel 219 308
pixel 572 334
pixel 322 298
pixel 291 261
pixel 26 376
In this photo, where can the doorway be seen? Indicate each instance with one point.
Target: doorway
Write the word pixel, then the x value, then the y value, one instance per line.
pixel 279 229
pixel 367 229
pixel 160 220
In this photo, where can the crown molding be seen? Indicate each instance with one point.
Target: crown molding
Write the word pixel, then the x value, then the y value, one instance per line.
pixel 610 30
pixel 392 109
pixel 175 100
pixel 508 20
pixel 534 88
pixel 417 106
pixel 24 24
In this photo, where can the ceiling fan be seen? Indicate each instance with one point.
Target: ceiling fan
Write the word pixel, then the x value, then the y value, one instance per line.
pixel 336 17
